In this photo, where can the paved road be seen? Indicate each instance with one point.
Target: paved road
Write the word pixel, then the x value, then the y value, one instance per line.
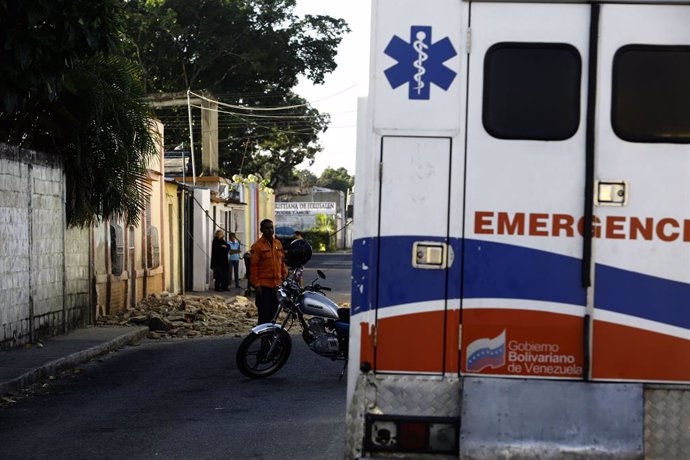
pixel 183 399
pixel 338 270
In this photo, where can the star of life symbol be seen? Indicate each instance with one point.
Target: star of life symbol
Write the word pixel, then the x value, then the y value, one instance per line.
pixel 420 62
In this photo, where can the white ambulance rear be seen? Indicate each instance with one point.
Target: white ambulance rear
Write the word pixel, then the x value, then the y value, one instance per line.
pixel 521 263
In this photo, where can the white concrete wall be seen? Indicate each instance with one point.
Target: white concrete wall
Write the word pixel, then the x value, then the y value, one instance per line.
pixel 14 249
pixel 77 299
pixel 44 278
pixel 203 235
pixel 47 245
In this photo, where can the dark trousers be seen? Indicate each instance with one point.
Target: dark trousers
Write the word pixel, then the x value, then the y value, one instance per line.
pixel 267 303
pixel 235 269
pixel 220 274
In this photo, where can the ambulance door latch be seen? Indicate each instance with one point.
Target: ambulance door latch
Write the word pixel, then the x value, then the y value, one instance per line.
pixel 431 255
pixel 611 193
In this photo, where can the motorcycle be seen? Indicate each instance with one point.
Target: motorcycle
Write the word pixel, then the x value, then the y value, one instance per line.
pixel 325 329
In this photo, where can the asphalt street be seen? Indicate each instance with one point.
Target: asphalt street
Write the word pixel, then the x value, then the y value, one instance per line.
pixel 184 398
pixel 338 270
pixel 180 399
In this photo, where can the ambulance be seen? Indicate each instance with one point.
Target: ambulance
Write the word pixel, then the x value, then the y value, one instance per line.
pixel 521 253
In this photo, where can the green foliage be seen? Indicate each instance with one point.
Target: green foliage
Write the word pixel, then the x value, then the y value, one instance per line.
pixel 336 179
pixel 303 178
pixel 320 241
pixel 222 45
pixel 244 52
pixel 324 232
pixel 278 149
pixel 42 40
pixel 64 90
pixel 324 223
pixel 110 114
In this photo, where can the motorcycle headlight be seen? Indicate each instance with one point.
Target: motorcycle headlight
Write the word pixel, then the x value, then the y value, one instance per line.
pixel 282 295
pixel 291 285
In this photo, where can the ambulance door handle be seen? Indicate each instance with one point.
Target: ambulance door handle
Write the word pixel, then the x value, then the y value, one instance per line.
pixel 611 193
pixel 431 255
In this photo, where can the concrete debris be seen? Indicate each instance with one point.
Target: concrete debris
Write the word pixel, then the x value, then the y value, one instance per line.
pixel 169 315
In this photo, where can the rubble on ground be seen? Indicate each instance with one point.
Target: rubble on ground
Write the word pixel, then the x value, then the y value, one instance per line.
pixel 169 315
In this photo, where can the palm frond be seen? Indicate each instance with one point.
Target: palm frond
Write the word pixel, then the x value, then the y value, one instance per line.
pixel 106 164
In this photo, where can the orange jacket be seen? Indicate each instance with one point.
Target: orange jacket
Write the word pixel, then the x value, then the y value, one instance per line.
pixel 267 266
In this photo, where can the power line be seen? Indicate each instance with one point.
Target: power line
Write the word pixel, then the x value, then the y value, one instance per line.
pixel 249 108
pixel 251 115
pixel 276 108
pixel 277 123
pixel 336 94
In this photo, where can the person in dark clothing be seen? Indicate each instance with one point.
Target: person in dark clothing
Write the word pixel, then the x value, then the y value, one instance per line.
pixel 247 266
pixel 219 261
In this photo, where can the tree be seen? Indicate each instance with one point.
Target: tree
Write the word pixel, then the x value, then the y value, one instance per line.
pixel 111 142
pixel 336 179
pixel 307 178
pixel 282 148
pixel 248 54
pixel 303 178
pixel 65 90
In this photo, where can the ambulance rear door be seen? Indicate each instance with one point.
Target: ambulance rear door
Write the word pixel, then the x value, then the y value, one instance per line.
pixel 413 237
pixel 417 112
pixel 641 327
pixel 523 306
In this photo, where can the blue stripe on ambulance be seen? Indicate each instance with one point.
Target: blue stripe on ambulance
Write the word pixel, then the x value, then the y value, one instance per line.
pixel 408 284
pixel 504 271
pixel 643 296
pixel 497 270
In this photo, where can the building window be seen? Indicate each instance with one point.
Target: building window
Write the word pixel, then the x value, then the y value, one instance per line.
pixel 153 249
pixel 532 91
pixel 651 94
pixel 132 252
pixel 117 249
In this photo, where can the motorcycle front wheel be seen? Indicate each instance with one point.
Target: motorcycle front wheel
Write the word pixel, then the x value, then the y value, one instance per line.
pixel 261 355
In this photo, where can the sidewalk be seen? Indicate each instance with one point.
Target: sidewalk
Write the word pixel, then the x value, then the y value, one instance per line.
pixel 21 367
pixel 231 292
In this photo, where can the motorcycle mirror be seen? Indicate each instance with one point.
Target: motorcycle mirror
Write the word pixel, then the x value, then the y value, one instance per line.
pixel 321 274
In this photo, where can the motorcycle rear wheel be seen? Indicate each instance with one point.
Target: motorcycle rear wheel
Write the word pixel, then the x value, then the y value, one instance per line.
pixel 251 356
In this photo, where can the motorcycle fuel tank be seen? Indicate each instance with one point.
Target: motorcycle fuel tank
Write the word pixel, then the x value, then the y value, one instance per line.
pixel 317 304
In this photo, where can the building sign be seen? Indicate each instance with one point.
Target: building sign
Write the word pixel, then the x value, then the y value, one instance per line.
pixel 310 208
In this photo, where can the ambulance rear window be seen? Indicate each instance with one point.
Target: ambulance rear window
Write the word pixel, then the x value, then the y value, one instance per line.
pixel 651 93
pixel 532 91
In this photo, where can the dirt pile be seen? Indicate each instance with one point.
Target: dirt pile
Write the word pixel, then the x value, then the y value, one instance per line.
pixel 189 315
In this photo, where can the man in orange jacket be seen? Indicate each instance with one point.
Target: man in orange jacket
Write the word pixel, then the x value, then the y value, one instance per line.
pixel 267 270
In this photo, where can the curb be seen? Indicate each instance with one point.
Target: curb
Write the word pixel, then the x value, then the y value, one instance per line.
pixel 71 360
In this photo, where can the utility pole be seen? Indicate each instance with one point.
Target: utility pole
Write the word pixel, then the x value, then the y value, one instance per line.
pixel 209 124
pixel 209 149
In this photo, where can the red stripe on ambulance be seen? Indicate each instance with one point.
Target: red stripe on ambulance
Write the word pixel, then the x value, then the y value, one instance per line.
pixel 647 355
pixel 401 354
